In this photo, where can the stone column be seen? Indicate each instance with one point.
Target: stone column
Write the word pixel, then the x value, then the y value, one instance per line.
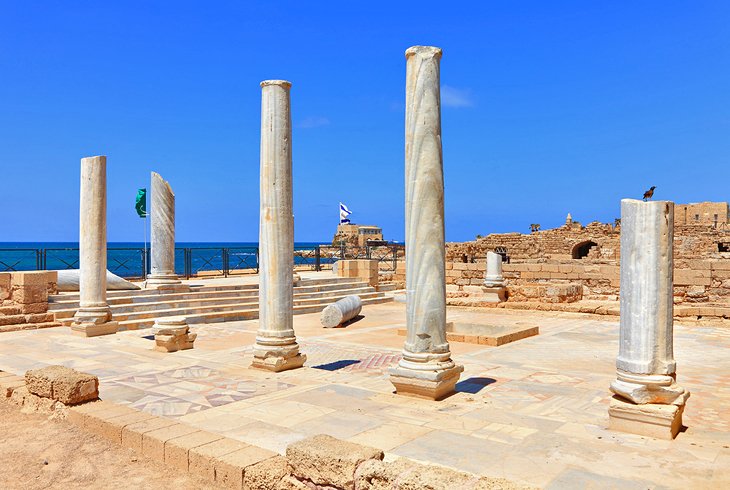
pixel 493 276
pixel 648 400
pixel 493 289
pixel 93 316
pixel 426 369
pixel 276 347
pixel 162 236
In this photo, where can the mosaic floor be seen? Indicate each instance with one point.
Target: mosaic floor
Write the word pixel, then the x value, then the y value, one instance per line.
pixel 533 411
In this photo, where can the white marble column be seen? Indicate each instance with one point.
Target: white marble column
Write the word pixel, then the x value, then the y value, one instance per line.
pixel 426 369
pixel 493 276
pixel 94 315
pixel 276 348
pixel 162 235
pixel 645 367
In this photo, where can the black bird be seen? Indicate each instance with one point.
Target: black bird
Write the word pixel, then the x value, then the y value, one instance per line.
pixel 648 194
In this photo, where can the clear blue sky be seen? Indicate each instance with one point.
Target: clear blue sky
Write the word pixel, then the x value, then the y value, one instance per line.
pixel 548 108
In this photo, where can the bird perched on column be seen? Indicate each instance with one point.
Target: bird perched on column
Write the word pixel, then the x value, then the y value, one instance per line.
pixel 648 194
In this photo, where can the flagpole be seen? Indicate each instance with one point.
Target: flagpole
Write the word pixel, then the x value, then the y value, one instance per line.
pixel 144 261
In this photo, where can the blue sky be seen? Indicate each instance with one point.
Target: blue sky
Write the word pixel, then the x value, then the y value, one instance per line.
pixel 548 108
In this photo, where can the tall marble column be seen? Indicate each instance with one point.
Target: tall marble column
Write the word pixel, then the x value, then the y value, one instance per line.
pixel 94 315
pixel 276 347
pixel 426 369
pixel 648 400
pixel 162 235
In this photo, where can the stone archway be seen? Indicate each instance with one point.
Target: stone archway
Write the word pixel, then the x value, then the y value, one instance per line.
pixel 582 249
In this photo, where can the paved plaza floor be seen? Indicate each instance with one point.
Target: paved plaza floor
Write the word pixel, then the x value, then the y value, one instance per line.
pixel 533 411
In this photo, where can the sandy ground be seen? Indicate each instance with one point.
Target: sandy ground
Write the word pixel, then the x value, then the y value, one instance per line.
pixel 39 453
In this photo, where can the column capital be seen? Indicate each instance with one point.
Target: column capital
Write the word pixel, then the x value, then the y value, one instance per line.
pixel 281 83
pixel 424 52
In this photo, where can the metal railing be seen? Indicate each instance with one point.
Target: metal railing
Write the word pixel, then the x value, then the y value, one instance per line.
pixel 134 263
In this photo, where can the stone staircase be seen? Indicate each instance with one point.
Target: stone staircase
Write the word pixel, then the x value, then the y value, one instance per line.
pixel 213 303
pixel 12 318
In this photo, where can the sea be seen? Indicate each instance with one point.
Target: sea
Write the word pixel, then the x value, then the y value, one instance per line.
pixel 127 259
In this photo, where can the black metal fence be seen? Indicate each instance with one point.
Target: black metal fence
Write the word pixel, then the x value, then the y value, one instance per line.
pixel 134 263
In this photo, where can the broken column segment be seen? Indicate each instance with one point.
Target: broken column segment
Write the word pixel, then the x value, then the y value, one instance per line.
pixel 426 369
pixel 162 236
pixel 648 399
pixel 341 311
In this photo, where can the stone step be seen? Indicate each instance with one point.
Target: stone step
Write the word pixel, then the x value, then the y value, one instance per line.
pixel 241 314
pixel 189 310
pixel 165 309
pixel 71 300
pixel 9 310
pixel 167 303
pixel 24 318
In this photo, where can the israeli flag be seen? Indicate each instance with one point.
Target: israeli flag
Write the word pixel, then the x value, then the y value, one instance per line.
pixel 344 213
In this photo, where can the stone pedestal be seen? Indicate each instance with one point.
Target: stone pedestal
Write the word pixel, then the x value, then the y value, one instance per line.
pixel 173 334
pixel 94 315
pixel 276 348
pixel 162 237
pixel 645 367
pixel 426 369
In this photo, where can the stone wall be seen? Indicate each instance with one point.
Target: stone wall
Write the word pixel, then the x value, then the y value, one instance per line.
pixel 24 299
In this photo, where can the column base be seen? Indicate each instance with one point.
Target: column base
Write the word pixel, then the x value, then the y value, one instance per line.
pixel 277 358
pixel 433 384
pixel 651 419
pixel 647 388
pixel 94 329
pixel 493 294
pixel 165 281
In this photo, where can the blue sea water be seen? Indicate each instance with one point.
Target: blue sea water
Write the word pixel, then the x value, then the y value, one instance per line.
pixel 126 259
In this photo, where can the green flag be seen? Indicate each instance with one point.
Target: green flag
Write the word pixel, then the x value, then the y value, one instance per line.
pixel 140 204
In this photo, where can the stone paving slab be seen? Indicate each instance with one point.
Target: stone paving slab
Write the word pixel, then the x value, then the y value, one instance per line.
pixel 534 411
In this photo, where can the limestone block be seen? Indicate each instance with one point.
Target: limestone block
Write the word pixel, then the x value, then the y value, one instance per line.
pixel 111 428
pixel 178 448
pixel 132 434
pixel 29 294
pixel 404 474
pixel 229 468
pixel 325 460
pixel 153 442
pixel 652 419
pixel 4 286
pixel 341 311
pixel 173 334
pixel 266 474
pixel 63 384
pixel 202 459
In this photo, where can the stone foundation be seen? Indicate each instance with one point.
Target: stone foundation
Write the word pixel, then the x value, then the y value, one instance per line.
pixel 24 300
pixel 651 419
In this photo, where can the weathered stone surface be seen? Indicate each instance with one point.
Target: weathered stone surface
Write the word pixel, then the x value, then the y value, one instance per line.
pixel 162 234
pixel 661 421
pixel 173 334
pixel 493 276
pixel 202 459
pixel 341 311
pixel 63 384
pixel 93 316
pixel 276 348
pixel 266 475
pixel 404 474
pixel 230 468
pixel 177 449
pixel 426 355
pixel 324 460
pixel 364 269
pixel 153 442
pixel 132 434
pixel 645 364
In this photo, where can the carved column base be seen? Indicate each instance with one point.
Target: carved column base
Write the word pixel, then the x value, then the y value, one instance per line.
pixel 163 281
pixel 173 334
pixel 432 381
pixel 93 321
pixel 656 420
pixel 647 388
pixel 277 354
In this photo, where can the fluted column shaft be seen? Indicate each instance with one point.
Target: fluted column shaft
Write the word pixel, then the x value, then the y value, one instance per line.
pixel 645 364
pixel 276 348
pixel 94 315
pixel 426 353
pixel 162 236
